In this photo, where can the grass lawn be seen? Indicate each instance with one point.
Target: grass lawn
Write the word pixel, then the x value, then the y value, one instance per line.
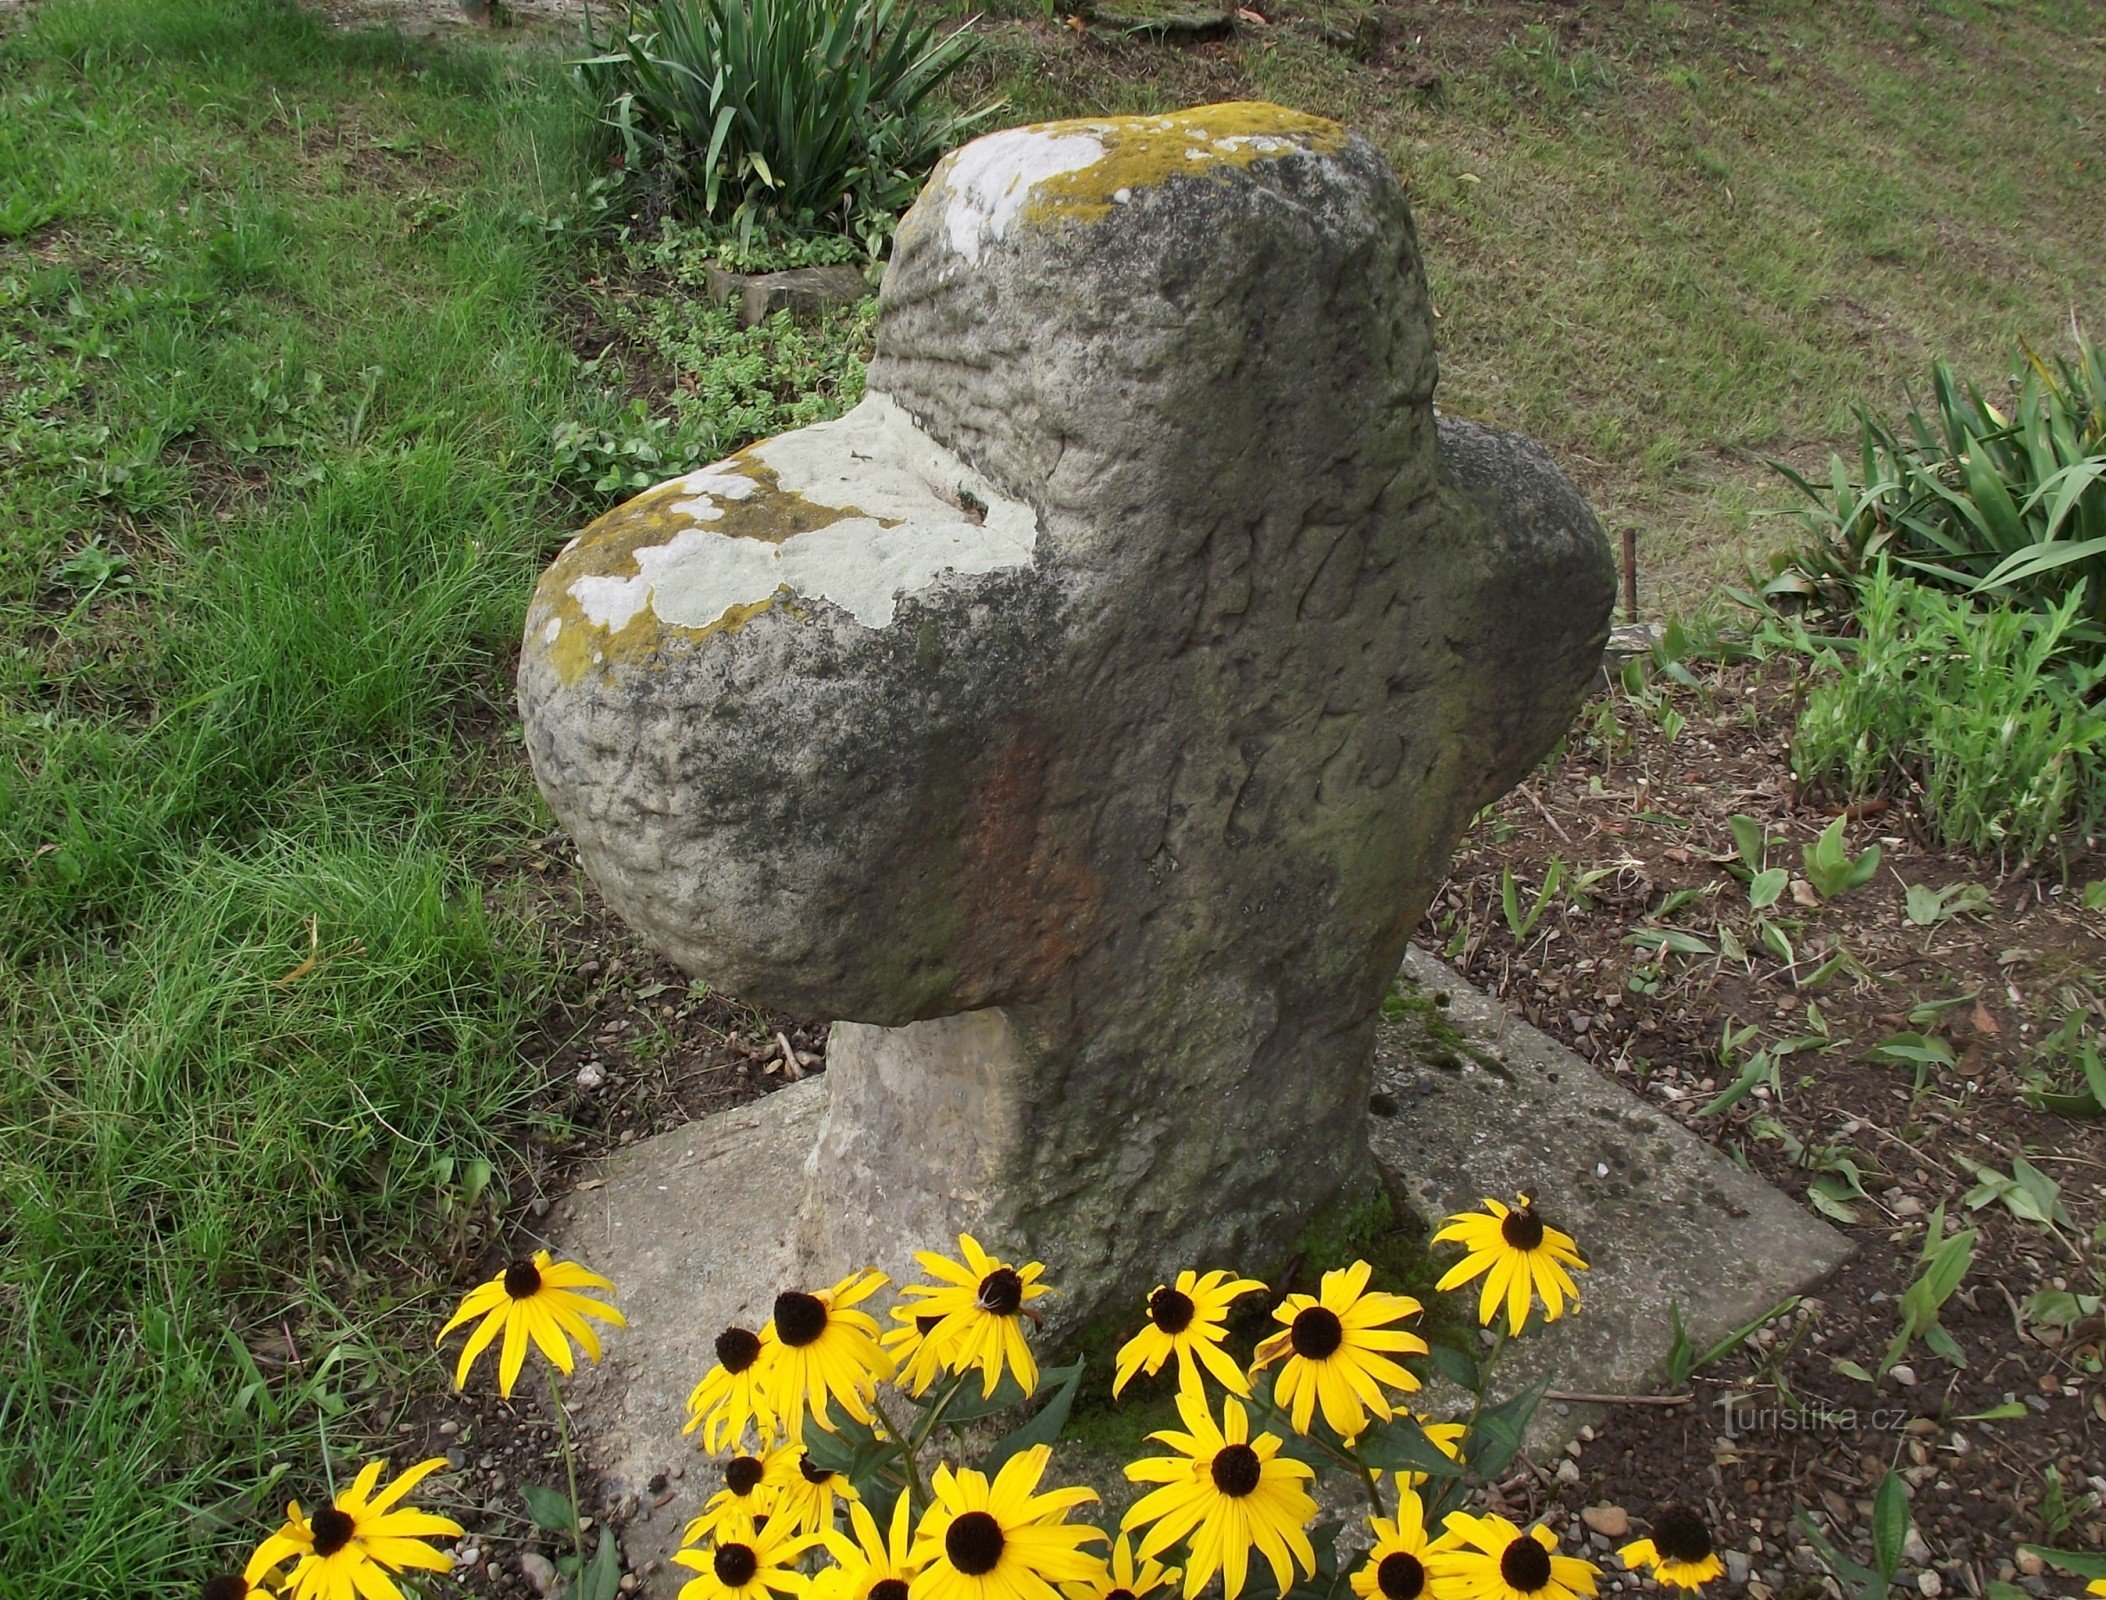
pixel 279 377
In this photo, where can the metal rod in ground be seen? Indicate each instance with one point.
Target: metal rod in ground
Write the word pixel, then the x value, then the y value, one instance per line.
pixel 1630 574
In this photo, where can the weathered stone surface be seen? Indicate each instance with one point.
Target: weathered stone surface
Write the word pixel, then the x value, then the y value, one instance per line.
pixel 696 1229
pixel 802 291
pixel 1089 714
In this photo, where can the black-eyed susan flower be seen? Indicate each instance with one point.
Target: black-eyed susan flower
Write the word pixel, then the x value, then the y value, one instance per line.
pixel 1489 1558
pixel 1679 1552
pixel 824 1353
pixel 232 1586
pixel 761 1564
pixel 872 1565
pixel 1446 1437
pixel 1395 1568
pixel 982 1303
pixel 2096 1586
pixel 1337 1347
pixel 1187 1319
pixel 1001 1540
pixel 735 1510
pixel 1519 1256
pixel 1126 1578
pixel 916 1357
pixel 533 1300
pixel 803 1493
pixel 1225 1494
pixel 346 1550
pixel 732 1395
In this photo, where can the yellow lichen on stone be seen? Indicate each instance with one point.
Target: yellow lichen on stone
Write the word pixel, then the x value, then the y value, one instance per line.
pixel 1140 152
pixel 574 643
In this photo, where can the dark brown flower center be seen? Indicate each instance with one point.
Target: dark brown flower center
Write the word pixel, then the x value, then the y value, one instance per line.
pixel 742 1475
pixel 1680 1535
pixel 1522 1229
pixel 230 1587
pixel 1172 1312
pixel 1118 1594
pixel 1236 1469
pixel 1400 1577
pixel 522 1280
pixel 813 1472
pixel 1525 1565
pixel 1001 1292
pixel 332 1530
pixel 974 1543
pixel 799 1317
pixel 889 1589
pixel 1317 1333
pixel 737 1349
pixel 735 1565
pixel 927 1325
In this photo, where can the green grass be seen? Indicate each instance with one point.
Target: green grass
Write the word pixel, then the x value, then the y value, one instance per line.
pixel 279 380
pixel 1689 241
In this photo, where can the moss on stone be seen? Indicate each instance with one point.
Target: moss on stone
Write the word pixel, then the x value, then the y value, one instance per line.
pixel 1141 152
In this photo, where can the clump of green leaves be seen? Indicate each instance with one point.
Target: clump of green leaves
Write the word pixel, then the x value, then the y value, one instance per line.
pixel 1945 1263
pixel 1973 500
pixel 809 115
pixel 1982 715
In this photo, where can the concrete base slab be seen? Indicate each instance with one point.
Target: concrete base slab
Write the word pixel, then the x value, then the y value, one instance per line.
pixel 1479 1103
pixel 697 1229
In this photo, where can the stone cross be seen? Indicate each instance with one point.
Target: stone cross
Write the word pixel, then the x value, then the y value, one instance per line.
pixel 1086 718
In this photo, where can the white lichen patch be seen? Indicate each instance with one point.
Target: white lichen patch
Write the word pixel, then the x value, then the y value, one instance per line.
pixel 554 629
pixel 919 514
pixel 702 489
pixel 991 179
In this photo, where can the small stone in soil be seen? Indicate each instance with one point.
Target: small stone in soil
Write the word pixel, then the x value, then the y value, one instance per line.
pixel 1611 1522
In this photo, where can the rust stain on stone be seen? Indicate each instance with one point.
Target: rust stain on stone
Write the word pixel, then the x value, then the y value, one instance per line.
pixel 1025 894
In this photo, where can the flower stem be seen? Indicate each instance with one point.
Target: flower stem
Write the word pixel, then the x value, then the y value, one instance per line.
pixel 906 1448
pixel 570 1465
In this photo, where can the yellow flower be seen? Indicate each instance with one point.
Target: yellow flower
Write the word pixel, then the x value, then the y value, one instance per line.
pixel 1226 1494
pixel 918 1358
pixel 748 1568
pixel 531 1300
pixel 232 1586
pixel 872 1566
pixel 1679 1552
pixel 1004 1540
pixel 981 1302
pixel 1337 1349
pixel 735 1510
pixel 820 1351
pixel 1188 1320
pixel 733 1394
pixel 1489 1558
pixel 1446 1437
pixel 2096 1586
pixel 802 1493
pixel 1125 1579
pixel 1519 1255
pixel 1395 1568
pixel 348 1548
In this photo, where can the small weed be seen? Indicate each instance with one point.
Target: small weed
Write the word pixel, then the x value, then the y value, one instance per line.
pixel 1832 869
